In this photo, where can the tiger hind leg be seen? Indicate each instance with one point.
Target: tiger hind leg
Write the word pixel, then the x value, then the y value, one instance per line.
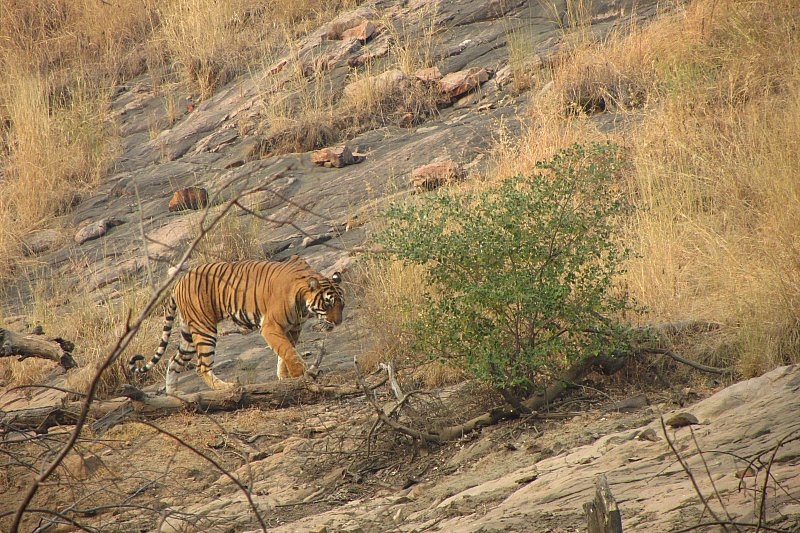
pixel 180 361
pixel 206 345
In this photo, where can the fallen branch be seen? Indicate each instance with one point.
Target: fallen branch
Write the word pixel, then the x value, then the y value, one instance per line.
pixel 607 363
pixel 688 362
pixel 24 346
pixel 494 416
pixel 135 404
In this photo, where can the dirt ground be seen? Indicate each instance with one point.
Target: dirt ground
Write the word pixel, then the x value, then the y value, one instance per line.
pixel 303 461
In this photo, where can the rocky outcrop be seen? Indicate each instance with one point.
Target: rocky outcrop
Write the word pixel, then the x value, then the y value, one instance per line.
pixel 499 485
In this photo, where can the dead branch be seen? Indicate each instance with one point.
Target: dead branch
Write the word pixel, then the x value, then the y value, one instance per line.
pixel 24 346
pixel 135 404
pixel 492 417
pixel 691 476
pixel 689 362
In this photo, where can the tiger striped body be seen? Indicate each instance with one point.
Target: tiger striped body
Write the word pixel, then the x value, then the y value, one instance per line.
pixel 276 297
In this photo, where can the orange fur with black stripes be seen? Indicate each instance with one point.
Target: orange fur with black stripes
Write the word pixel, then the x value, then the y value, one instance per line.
pixel 276 297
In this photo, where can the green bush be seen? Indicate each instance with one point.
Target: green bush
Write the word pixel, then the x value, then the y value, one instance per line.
pixel 520 278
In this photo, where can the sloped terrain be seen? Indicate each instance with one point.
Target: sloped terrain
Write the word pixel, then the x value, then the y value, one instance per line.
pixel 327 467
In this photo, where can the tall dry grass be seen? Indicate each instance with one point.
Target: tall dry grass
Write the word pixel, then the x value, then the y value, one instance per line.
pixel 710 98
pixel 713 93
pixel 93 324
pixel 716 172
pixel 60 60
pixel 308 109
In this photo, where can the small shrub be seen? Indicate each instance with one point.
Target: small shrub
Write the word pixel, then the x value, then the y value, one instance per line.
pixel 520 278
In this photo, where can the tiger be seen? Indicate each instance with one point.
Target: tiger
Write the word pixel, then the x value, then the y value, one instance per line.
pixel 277 297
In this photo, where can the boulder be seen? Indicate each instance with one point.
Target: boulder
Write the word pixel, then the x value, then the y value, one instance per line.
pixel 96 229
pixel 336 156
pixel 433 175
pixel 362 32
pixel 188 198
pixel 386 82
pixel 458 83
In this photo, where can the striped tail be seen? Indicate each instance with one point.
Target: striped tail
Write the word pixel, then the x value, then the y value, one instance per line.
pixel 169 320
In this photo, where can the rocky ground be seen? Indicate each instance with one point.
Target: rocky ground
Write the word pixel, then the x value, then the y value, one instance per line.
pixel 327 466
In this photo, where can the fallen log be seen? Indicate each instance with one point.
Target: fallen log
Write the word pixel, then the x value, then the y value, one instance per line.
pixel 24 346
pixel 136 404
pixel 41 419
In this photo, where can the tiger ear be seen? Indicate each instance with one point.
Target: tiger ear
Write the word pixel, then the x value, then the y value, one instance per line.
pixel 337 277
pixel 313 284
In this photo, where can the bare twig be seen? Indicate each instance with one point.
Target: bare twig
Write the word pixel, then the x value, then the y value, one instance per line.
pixel 708 473
pixel 689 362
pixel 762 506
pixel 420 435
pixel 691 476
pixel 216 465
pixel 50 512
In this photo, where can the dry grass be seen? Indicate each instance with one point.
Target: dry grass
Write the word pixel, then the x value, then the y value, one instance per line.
pixel 393 293
pixel 60 62
pixel 236 237
pixel 714 90
pixel 306 110
pixel 94 326
pixel 716 167
pixel 711 96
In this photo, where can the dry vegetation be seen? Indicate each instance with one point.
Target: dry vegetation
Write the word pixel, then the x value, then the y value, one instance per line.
pixel 312 110
pixel 709 92
pixel 61 61
pixel 713 92
pixel 710 96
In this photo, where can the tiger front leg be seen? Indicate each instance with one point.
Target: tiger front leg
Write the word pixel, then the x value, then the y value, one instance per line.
pixel 290 365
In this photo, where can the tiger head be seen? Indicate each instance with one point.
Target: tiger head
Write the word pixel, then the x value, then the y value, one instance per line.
pixel 325 299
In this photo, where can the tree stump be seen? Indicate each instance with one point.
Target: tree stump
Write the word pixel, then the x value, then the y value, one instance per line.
pixel 602 512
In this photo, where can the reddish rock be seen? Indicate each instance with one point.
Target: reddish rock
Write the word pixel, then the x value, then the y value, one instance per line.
pixel 428 74
pixel 189 198
pixel 347 21
pixel 457 83
pixel 433 175
pixel 362 32
pixel 277 67
pixel 335 156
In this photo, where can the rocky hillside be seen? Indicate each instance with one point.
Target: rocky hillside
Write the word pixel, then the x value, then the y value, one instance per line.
pixel 328 466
